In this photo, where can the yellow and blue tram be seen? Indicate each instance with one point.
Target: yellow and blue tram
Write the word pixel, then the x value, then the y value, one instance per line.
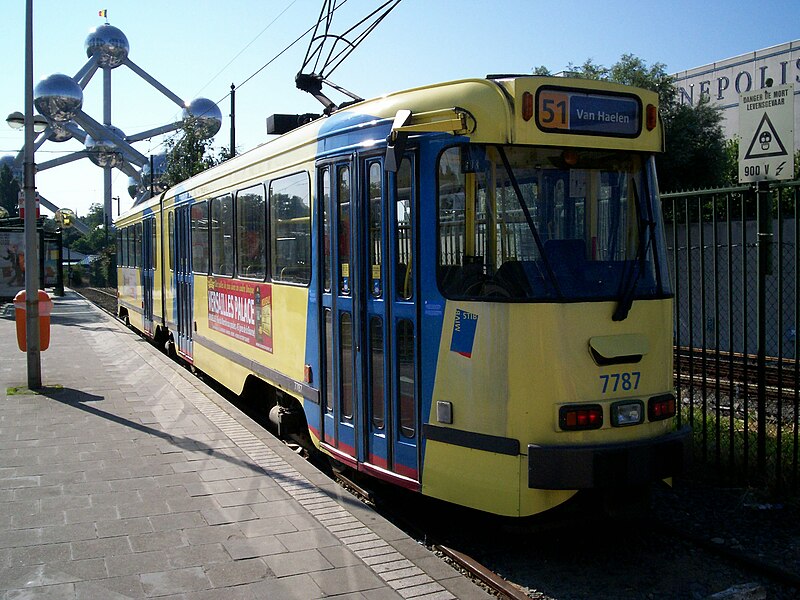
pixel 460 288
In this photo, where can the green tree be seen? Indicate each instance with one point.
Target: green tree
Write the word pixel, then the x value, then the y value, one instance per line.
pixel 695 155
pixel 9 191
pixel 189 155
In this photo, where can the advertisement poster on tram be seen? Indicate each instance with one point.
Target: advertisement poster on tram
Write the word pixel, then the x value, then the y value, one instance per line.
pixel 241 310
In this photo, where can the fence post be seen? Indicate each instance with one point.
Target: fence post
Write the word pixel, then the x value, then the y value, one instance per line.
pixel 764 242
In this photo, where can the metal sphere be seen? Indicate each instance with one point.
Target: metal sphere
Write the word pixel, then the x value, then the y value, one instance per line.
pixel 133 187
pixel 159 169
pixel 58 97
pixel 104 152
pixel 109 45
pixel 8 161
pixel 207 114
pixel 60 133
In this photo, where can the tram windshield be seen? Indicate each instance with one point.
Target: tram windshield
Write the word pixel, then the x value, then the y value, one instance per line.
pixel 524 223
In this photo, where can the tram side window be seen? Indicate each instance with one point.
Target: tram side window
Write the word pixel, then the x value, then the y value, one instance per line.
pixel 343 188
pixel 131 247
pixel 406 383
pixel 124 246
pixel 200 237
pixel 290 228
pixel 326 229
pixel 375 185
pixel 119 247
pixel 404 234
pixel 222 235
pixel 251 232
pixel 171 233
pixel 152 257
pixel 139 240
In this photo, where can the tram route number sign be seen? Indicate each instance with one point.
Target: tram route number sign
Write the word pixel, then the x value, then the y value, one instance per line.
pixel 766 134
pixel 562 110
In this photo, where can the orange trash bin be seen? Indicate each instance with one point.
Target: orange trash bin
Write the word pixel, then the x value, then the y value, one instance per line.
pixel 20 312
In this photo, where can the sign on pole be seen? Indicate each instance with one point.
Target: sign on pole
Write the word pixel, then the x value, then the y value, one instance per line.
pixel 766 132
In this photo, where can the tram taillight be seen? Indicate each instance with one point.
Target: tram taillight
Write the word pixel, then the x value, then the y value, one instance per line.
pixel 661 407
pixel 578 417
pixel 527 106
pixel 651 117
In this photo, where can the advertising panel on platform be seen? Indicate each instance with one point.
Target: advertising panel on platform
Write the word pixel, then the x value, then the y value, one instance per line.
pixel 12 263
pixel 241 310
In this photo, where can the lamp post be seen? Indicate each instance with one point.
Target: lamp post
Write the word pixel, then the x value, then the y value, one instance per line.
pixel 31 241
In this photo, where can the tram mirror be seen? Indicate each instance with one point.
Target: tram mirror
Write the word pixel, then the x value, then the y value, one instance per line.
pixel 395 146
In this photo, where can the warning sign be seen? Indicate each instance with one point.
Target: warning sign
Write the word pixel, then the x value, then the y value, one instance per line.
pixel 766 131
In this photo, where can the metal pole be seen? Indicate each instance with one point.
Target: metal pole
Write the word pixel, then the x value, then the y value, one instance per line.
pixel 29 187
pixel 764 241
pixel 232 152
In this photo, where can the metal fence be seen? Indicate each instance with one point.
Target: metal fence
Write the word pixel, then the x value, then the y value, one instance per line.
pixel 734 263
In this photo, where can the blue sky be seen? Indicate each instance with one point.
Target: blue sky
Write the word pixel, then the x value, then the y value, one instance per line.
pixel 198 48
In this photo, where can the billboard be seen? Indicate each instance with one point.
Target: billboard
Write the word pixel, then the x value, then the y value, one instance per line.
pixel 722 82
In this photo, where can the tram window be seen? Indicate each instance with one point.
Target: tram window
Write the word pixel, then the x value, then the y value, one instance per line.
pixel 139 240
pixel 405 377
pixel 119 247
pixel 346 362
pixel 152 254
pixel 328 361
pixel 546 224
pixel 200 237
pixel 376 368
pixel 326 229
pixel 124 246
pixel 404 234
pixel 343 188
pixel 251 232
pixel 131 247
pixel 375 187
pixel 222 235
pixel 290 228
pixel 171 249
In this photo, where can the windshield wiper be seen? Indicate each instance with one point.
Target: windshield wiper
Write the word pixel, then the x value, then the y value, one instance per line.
pixel 518 192
pixel 628 288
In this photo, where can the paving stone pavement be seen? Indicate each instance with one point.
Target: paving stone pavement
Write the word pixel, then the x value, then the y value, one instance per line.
pixel 127 477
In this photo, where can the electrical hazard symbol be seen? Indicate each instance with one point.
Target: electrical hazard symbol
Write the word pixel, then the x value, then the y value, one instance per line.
pixel 766 133
pixel 766 141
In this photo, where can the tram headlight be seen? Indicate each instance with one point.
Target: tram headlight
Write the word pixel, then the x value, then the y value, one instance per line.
pixel 627 412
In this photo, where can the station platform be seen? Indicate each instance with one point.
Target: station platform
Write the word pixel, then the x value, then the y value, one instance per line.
pixel 126 476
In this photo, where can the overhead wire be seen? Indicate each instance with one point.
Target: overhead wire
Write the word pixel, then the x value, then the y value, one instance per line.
pixel 264 66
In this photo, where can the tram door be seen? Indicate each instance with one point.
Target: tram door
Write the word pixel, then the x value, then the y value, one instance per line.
pixel 369 331
pixel 183 280
pixel 148 271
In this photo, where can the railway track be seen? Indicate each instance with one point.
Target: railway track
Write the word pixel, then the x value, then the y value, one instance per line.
pixel 537 557
pixel 734 375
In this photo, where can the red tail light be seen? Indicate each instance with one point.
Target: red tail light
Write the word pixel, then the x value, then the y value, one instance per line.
pixel 651 117
pixel 527 106
pixel 661 407
pixel 578 417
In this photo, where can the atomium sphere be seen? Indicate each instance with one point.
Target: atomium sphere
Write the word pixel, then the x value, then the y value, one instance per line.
pixel 59 132
pixel 58 97
pixel 207 114
pixel 109 45
pixel 104 152
pixel 159 169
pixel 133 186
pixel 8 161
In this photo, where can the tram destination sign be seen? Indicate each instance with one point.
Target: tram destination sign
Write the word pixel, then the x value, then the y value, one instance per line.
pixel 766 134
pixel 563 110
